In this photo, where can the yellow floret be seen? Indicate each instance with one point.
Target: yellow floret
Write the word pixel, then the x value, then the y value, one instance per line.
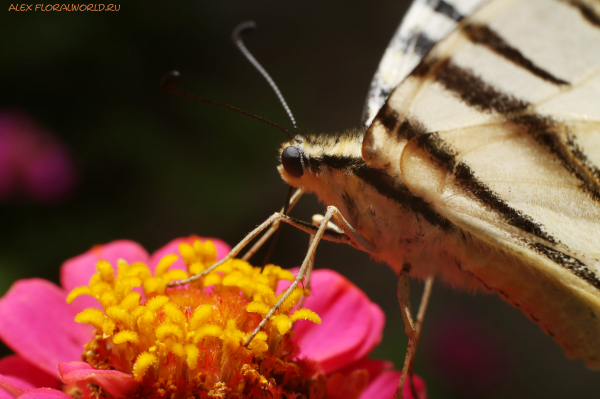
pixel 106 271
pixel 180 324
pixel 282 323
pixel 213 278
pixel 210 330
pixel 85 290
pixel 138 269
pixel 118 313
pixel 151 285
pixel 100 287
pixel 191 353
pixel 164 264
pixel 187 252
pixel 291 300
pixel 208 250
pixel 156 302
pixel 258 307
pixel 142 364
pixel 200 315
pixel 305 314
pixel 259 343
pixel 92 316
pixel 131 300
pixel 126 336
pixel 264 293
pixel 127 284
pixel 177 349
pixel 173 313
pixel 107 299
pixel 173 275
pixel 166 330
pixel 108 328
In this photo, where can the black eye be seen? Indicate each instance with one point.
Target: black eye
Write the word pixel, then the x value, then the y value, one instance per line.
pixel 291 159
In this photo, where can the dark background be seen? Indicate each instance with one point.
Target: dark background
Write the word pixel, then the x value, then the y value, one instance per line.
pixel 153 166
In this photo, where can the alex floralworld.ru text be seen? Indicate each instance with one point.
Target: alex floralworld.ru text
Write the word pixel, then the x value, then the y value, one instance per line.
pixel 64 7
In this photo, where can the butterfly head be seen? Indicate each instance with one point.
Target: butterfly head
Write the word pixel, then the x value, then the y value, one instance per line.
pixel 315 163
pixel 299 168
pixel 293 159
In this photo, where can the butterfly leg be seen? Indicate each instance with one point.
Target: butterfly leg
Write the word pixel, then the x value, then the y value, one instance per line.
pixel 276 217
pixel 412 329
pixel 259 243
pixel 347 230
pixel 314 242
pixel 311 265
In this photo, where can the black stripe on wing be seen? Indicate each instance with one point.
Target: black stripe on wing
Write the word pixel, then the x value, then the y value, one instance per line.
pixel 588 13
pixel 445 157
pixel 575 266
pixel 445 8
pixel 554 137
pixel 475 92
pixel 383 183
pixel 485 36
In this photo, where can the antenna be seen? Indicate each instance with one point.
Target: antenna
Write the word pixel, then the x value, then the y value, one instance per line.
pixel 169 79
pixel 240 30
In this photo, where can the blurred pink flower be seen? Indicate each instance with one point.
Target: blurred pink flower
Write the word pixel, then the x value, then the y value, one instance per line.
pixel 467 356
pixel 39 326
pixel 32 161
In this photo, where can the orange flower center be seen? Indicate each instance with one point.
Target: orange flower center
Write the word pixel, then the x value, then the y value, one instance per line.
pixel 189 341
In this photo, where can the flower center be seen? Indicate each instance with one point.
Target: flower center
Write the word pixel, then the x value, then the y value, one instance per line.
pixel 189 341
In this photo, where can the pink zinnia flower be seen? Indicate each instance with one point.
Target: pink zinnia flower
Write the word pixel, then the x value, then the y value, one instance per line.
pixel 32 161
pixel 467 355
pixel 38 324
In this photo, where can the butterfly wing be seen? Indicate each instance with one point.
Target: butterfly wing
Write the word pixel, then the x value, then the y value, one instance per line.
pixel 498 129
pixel 425 23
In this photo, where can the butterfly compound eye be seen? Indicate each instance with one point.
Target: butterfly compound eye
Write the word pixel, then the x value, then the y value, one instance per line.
pixel 291 159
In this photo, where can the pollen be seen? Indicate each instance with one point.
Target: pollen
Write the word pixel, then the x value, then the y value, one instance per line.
pixel 190 341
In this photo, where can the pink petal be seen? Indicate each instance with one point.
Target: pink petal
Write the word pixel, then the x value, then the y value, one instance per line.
pixel 173 248
pixel 44 393
pixel 38 324
pixel 351 324
pixel 373 366
pixel 16 366
pixel 386 384
pixel 14 386
pixel 3 393
pixel 77 271
pixel 114 382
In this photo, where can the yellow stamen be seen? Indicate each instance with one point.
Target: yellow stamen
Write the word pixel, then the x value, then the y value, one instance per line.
pixel 305 314
pixel 143 362
pixel 92 316
pixel 125 336
pixel 198 330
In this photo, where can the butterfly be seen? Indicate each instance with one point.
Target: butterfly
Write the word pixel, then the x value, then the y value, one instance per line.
pixel 479 161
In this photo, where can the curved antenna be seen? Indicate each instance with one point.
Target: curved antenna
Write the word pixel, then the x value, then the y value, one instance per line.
pixel 172 77
pixel 241 29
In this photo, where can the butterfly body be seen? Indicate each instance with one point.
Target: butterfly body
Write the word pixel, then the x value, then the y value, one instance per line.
pixel 480 167
pixel 403 229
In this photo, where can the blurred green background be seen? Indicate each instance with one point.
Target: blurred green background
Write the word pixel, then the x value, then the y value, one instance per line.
pixel 152 166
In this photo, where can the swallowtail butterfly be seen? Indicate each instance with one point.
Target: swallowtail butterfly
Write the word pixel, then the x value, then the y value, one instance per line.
pixel 480 161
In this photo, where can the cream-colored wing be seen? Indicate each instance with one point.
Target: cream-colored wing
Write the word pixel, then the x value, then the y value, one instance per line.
pixel 425 23
pixel 505 57
pixel 499 131
pixel 533 195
